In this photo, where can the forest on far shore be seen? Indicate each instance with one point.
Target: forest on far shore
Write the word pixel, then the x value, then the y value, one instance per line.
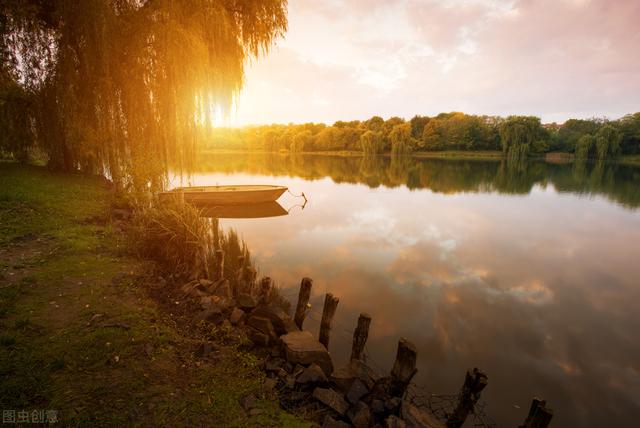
pixel 515 136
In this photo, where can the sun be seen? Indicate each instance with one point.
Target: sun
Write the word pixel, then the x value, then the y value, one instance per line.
pixel 210 112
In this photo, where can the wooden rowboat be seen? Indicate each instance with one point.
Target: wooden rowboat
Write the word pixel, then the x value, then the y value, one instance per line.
pixel 226 195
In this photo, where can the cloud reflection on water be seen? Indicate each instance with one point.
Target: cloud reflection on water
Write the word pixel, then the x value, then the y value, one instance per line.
pixel 539 290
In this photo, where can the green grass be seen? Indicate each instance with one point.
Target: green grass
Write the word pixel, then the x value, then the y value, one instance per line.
pixel 61 264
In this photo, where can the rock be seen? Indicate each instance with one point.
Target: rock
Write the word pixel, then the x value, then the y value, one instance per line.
pixel 297 370
pixel 206 283
pixel 357 390
pixel 246 302
pixel 298 396
pixel 290 381
pixel 213 315
pixel 331 399
pixel 282 323
pixel 276 351
pixel 417 418
pixel 392 405
pixel 193 289
pixel 377 406
pixel 221 288
pixel 312 374
pixel 224 304
pixel 236 317
pixel 394 422
pixel 356 369
pixel 257 337
pixel 270 384
pixel 302 348
pixel 248 402
pixel 359 415
pixel 206 302
pixel 273 364
pixel 263 325
pixel 255 412
pixel 329 422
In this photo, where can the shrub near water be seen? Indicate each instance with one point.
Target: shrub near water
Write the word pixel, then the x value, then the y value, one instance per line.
pixel 176 236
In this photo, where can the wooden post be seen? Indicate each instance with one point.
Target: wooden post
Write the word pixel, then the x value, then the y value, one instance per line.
pixel 360 336
pixel 219 265
pixel 303 301
pixel 404 368
pixel 539 415
pixel 329 310
pixel 239 277
pixel 474 382
pixel 265 289
pixel 249 276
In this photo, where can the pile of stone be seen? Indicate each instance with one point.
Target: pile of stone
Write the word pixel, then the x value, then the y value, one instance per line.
pixel 300 367
pixel 261 321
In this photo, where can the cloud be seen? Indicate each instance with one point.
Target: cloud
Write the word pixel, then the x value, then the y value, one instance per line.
pixel 354 59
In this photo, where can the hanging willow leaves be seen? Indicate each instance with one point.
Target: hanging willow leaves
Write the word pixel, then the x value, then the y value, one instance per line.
pixel 119 87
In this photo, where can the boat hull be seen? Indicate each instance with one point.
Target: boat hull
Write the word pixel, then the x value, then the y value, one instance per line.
pixel 226 195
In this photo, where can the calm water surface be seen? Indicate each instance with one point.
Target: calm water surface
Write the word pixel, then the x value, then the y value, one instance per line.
pixel 530 272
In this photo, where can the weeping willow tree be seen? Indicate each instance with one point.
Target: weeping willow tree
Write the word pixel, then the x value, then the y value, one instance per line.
pixel 521 136
pixel 604 144
pixel 121 87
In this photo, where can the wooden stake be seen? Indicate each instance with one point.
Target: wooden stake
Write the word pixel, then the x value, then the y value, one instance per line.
pixel 404 368
pixel 265 289
pixel 360 336
pixel 329 310
pixel 474 382
pixel 303 301
pixel 539 415
pixel 249 276
pixel 219 265
pixel 239 277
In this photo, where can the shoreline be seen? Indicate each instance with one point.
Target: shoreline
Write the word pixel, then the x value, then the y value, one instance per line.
pixel 91 333
pixel 551 157
pixel 116 326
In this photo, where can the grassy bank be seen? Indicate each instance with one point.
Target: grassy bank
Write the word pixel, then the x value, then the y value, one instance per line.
pixel 82 335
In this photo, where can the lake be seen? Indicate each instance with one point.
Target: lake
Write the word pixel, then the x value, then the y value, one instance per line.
pixel 529 271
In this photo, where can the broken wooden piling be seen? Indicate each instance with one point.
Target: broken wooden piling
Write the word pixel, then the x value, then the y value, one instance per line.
pixel 539 415
pixel 249 276
pixel 265 290
pixel 303 301
pixel 360 336
pixel 219 260
pixel 328 311
pixel 474 382
pixel 404 367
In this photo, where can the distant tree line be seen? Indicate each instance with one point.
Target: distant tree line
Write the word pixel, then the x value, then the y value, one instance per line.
pixel 515 136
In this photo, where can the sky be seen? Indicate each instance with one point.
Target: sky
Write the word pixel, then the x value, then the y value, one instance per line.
pixel 353 59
